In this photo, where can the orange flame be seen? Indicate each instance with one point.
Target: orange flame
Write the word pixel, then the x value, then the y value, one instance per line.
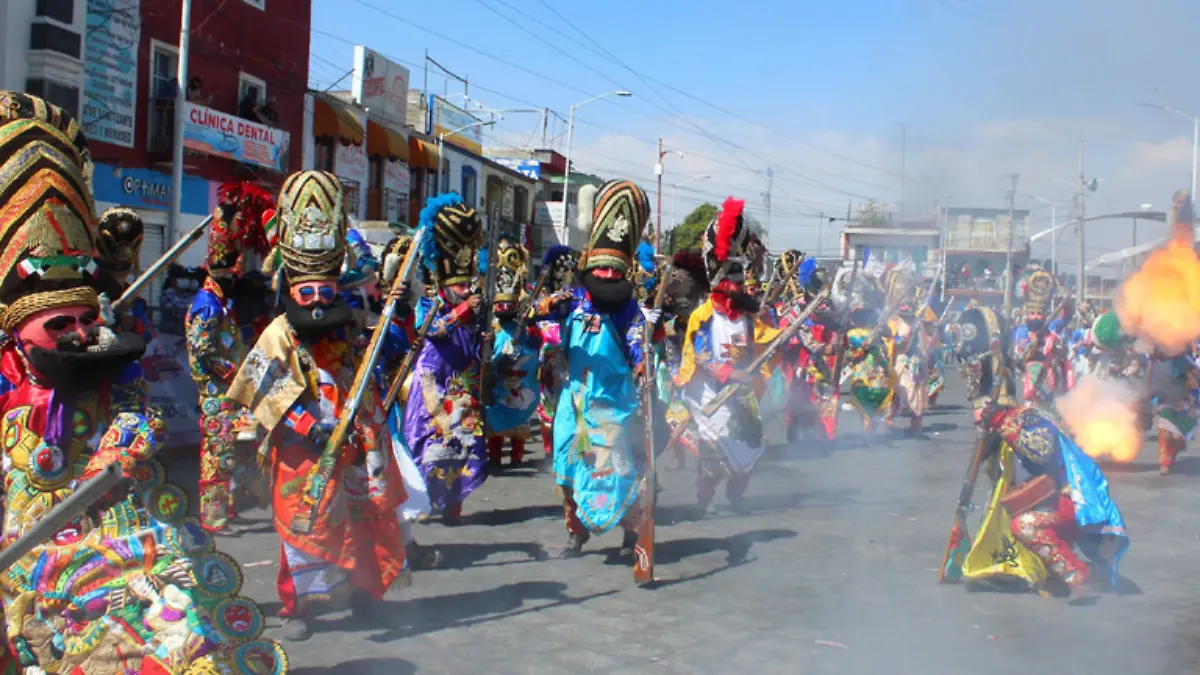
pixel 1101 415
pixel 1160 303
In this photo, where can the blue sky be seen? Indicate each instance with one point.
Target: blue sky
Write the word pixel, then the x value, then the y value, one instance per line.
pixel 985 88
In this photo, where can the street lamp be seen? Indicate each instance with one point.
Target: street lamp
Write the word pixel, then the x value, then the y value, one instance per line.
pixel 674 188
pixel 570 136
pixel 437 184
pixel 1053 232
pixel 1195 138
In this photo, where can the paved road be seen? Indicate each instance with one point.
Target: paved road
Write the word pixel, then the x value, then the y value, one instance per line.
pixel 832 570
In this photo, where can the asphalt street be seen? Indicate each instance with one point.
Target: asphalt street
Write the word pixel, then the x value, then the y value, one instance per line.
pixel 830 569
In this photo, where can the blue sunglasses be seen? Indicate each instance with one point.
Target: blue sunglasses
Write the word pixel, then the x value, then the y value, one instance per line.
pixel 308 293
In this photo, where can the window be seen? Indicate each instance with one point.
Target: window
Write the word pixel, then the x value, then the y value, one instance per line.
pixel 163 69
pixel 252 93
pixel 323 155
pixel 469 191
pixel 54 38
pixel 61 95
pixel 260 4
pixel 62 11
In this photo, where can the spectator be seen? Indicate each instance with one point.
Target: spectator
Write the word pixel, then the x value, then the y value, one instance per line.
pixel 267 114
pixel 248 107
pixel 195 93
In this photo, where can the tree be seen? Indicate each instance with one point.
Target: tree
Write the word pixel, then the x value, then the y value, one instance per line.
pixel 871 214
pixel 687 234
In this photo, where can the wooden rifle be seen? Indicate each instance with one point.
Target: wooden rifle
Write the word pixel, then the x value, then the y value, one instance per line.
pixel 411 357
pixel 958 544
pixel 487 332
pixel 643 550
pixel 318 482
pixel 128 295
pixel 525 307
pixel 733 388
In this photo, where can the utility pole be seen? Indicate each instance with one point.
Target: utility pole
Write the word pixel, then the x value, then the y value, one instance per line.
pixel 903 168
pixel 658 171
pixel 545 120
pixel 181 78
pixel 767 199
pixel 820 229
pixel 1008 257
pixel 1081 288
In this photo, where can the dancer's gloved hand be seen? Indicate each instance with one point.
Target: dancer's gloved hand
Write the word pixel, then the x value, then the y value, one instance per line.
pixel 319 434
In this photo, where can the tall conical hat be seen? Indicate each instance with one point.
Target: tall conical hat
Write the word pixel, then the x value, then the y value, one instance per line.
pixel 119 237
pixel 898 287
pixel 512 269
pixel 47 218
pixel 618 219
pixel 311 221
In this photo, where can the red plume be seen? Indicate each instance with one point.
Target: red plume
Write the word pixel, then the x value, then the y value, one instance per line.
pixel 252 202
pixel 727 222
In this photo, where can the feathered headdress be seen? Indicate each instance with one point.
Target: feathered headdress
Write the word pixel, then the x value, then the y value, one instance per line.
pixel 725 241
pixel 808 271
pixel 453 235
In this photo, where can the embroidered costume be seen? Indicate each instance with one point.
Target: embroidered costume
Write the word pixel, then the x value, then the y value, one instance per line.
pixel 135 586
pixel 216 350
pixel 563 295
pixel 598 458
pixel 341 541
pixel 443 418
pixel 1050 498
pixel 913 345
pixel 514 359
pixel 1040 353
pixel 723 336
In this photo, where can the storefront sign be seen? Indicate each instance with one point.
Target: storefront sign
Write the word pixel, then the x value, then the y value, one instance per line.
pixel 530 168
pixel 211 132
pixel 446 118
pixel 110 57
pixel 381 85
pixel 396 192
pixel 145 189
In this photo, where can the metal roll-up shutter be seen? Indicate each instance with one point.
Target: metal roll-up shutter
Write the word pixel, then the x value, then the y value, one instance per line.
pixel 153 246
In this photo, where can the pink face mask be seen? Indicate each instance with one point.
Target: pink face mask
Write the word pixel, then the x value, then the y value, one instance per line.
pixel 45 327
pixel 314 293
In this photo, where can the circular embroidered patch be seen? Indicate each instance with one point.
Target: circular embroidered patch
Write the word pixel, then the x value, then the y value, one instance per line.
pixel 210 406
pixel 187 537
pixel 217 574
pixel 261 657
pixel 149 474
pixel 167 503
pixel 239 618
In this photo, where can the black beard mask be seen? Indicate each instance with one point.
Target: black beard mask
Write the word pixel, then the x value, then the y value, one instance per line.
pixel 608 295
pixel 744 302
pixel 312 324
pixel 71 366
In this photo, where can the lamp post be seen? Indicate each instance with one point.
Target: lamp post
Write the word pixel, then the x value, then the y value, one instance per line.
pixel 1195 138
pixel 674 188
pixel 437 184
pixel 1053 231
pixel 570 136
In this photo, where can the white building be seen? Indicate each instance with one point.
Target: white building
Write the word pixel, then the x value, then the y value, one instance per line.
pixel 42 48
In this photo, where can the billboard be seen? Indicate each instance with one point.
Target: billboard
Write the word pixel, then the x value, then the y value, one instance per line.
pixel 146 189
pixel 381 86
pixel 530 168
pixel 444 117
pixel 212 132
pixel 110 60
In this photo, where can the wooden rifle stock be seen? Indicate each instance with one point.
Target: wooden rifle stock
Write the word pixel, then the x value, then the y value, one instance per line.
pixel 318 482
pixel 643 550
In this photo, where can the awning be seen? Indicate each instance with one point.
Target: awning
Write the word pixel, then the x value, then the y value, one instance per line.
pixel 423 154
pixel 333 121
pixel 383 142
